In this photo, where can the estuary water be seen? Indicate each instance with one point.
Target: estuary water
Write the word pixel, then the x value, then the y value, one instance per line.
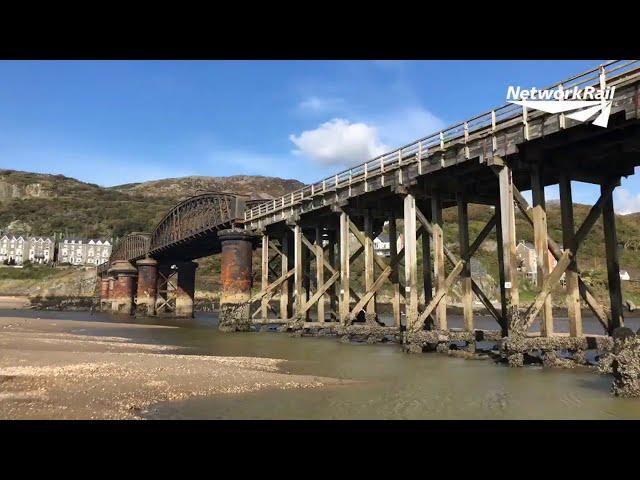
pixel 389 384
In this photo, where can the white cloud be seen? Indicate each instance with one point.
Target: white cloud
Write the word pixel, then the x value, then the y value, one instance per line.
pixel 339 141
pixel 625 202
pixel 342 142
pixel 315 104
pixel 407 125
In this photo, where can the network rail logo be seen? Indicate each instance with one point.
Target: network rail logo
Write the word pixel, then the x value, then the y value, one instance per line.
pixel 585 103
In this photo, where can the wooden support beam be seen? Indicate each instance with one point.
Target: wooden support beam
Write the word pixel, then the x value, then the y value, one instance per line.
pixel 369 266
pixel 322 289
pixel 395 277
pixel 428 227
pixel 540 233
pixel 298 289
pixel 550 282
pixel 613 265
pixel 274 247
pixel 312 248
pixel 439 297
pixel 334 291
pixel 438 259
pixel 320 273
pixel 375 286
pixel 345 289
pixel 427 267
pixel 285 265
pixel 487 304
pixel 568 241
pixel 463 238
pixel 501 272
pixel 306 266
pixel 556 251
pixel 508 241
pixel 272 287
pixel 410 260
pixel 264 311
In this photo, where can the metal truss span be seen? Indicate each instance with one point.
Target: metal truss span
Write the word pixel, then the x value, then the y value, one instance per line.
pixel 132 247
pixel 195 216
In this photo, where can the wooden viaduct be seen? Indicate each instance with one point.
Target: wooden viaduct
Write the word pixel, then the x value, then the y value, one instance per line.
pixel 310 238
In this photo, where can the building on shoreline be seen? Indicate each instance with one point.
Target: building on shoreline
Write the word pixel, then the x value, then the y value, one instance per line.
pixel 82 252
pixel 17 250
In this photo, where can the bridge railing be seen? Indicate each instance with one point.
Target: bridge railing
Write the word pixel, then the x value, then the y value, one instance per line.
pixel 489 121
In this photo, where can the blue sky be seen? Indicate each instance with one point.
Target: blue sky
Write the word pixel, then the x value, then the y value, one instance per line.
pixel 113 122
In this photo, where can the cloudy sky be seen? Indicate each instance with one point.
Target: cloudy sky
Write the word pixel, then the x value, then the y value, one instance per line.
pixel 119 122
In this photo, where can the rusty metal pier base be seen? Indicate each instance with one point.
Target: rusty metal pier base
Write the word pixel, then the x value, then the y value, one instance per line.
pixel 236 278
pixel 123 287
pixel 147 287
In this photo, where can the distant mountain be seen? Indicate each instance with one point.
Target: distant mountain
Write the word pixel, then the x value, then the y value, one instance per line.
pixel 43 204
pixel 256 187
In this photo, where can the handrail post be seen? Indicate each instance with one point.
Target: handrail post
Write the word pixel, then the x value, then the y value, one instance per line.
pixel 466 140
pixel 562 119
pixel 494 140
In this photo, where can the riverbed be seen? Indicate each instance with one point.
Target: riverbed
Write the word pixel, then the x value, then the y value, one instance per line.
pixel 82 365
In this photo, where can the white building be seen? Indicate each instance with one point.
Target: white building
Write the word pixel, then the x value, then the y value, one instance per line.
pixel 78 251
pixel 17 250
pixel 624 275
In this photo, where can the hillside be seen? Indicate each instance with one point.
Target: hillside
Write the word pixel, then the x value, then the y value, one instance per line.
pixel 41 204
pixel 256 187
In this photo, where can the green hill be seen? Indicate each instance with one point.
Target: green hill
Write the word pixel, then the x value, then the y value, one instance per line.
pixel 41 204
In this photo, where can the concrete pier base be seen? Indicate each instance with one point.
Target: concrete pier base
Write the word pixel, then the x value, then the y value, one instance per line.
pixel 236 278
pixel 124 287
pixel 147 287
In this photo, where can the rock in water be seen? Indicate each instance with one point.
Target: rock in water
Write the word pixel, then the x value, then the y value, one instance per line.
pixel 630 305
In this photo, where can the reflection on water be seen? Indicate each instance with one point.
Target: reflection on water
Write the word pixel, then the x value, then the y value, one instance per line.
pixel 393 385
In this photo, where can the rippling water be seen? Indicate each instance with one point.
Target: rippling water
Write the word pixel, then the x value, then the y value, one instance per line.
pixel 392 384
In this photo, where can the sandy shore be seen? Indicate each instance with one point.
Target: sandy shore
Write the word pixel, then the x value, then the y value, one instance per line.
pixel 14 302
pixel 56 369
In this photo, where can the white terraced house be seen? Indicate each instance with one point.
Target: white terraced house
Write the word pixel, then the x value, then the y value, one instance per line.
pixel 78 251
pixel 16 250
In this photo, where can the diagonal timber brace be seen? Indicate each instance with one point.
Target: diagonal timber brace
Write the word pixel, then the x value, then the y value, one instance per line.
pixel 556 251
pixel 376 285
pixel 454 261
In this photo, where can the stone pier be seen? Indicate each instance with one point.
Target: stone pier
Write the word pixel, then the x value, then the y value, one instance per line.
pixel 105 301
pixel 147 287
pixel 124 287
pixel 186 286
pixel 236 278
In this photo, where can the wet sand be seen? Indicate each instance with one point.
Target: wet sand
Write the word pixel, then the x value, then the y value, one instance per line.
pixel 14 302
pixel 70 369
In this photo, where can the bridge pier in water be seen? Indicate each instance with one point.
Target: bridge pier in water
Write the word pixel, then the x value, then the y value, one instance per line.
pixel 124 287
pixel 147 291
pixel 236 278
pixel 186 287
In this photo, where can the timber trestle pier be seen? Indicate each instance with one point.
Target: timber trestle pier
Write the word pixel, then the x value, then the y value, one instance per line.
pixel 320 274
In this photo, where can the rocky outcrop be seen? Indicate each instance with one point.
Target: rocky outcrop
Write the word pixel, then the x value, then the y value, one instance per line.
pixel 10 191
pixel 625 363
